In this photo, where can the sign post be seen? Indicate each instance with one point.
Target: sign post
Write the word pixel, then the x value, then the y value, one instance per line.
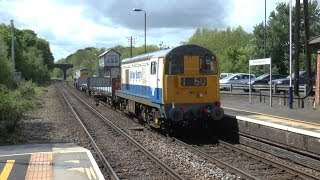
pixel 256 62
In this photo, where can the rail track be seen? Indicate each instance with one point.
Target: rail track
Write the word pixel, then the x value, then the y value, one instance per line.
pixel 124 157
pixel 103 160
pixel 242 166
pixel 246 164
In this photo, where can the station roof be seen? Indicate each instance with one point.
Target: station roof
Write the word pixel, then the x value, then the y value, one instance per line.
pixel 107 51
pixel 315 41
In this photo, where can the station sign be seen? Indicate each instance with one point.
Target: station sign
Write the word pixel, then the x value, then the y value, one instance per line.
pixel 259 61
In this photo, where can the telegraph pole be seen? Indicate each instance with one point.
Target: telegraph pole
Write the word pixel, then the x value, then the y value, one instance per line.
pixel 131 42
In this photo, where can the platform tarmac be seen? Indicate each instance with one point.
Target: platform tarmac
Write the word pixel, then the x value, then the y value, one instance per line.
pixel 240 104
pixel 296 128
pixel 47 161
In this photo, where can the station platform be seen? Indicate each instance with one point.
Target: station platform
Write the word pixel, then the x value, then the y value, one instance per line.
pixel 298 128
pixel 47 161
pixel 302 118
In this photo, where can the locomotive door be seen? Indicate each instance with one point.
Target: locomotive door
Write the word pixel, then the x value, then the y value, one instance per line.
pixel 155 79
pixel 158 80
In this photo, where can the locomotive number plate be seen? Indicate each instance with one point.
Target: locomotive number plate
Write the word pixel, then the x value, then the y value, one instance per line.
pixel 193 81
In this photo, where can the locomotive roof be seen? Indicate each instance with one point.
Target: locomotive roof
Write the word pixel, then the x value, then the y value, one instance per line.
pixel 177 51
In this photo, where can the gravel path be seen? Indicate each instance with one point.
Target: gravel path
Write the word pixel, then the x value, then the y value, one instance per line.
pixel 51 123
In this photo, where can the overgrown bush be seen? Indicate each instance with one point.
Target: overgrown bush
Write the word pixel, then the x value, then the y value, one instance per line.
pixel 14 103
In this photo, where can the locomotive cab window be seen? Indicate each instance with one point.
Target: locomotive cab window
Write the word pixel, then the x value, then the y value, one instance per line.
pixel 208 65
pixel 153 69
pixel 174 65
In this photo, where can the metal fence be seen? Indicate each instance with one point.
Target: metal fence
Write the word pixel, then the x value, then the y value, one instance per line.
pixel 275 88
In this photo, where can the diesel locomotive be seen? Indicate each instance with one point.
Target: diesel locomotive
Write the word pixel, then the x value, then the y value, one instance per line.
pixel 177 85
pixel 166 87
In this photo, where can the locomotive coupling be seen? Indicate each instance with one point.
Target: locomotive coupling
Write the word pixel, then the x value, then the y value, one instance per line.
pixel 216 112
pixel 175 114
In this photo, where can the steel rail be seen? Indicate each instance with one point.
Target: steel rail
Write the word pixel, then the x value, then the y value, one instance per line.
pixel 165 167
pixel 235 170
pixel 105 162
pixel 274 163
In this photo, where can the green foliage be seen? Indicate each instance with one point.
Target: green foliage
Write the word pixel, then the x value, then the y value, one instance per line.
pixel 83 58
pixel 278 35
pixel 232 47
pixel 33 57
pixel 6 70
pixel 14 103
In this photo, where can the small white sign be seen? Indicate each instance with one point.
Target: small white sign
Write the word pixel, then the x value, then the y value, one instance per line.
pixel 259 61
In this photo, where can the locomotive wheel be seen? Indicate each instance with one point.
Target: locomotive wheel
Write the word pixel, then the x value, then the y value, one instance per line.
pixel 144 115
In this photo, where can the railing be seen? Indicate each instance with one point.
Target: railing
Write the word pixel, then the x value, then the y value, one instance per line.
pixel 275 88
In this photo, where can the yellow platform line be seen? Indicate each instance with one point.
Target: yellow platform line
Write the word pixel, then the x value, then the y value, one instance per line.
pixel 274 116
pixel 6 170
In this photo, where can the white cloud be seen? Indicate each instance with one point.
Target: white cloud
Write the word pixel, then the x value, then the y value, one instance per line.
pixel 72 25
pixel 248 13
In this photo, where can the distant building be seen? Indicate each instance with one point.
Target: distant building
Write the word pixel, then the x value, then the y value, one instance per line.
pixel 109 64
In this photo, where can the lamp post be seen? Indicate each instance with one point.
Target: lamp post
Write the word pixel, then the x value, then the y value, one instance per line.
pixel 145 28
pixel 290 57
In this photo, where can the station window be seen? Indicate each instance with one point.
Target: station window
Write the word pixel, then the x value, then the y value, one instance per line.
pixel 208 65
pixel 174 65
pixel 116 59
pixel 153 69
pixel 106 59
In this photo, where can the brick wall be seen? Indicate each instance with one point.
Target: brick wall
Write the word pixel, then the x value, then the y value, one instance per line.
pixel 318 80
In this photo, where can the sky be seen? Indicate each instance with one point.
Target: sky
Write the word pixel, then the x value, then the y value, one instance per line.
pixel 70 25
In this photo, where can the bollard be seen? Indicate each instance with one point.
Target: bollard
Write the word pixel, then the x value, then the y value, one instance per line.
pixel 260 95
pixel 284 99
pixel 290 97
pixel 302 103
pixel 97 101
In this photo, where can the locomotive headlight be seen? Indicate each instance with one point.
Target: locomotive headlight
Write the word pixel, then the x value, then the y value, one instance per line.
pixel 201 94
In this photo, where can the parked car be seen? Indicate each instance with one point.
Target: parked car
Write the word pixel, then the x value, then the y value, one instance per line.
pixel 223 75
pixel 238 78
pixel 302 79
pixel 262 80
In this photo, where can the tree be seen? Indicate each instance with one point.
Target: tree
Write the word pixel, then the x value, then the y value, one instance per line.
pixel 297 48
pixel 306 45
pixel 6 70
pixel 278 35
pixel 33 57
pixel 231 46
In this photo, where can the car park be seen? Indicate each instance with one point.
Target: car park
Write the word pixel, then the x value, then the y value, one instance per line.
pixel 302 79
pixel 237 78
pixel 262 80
